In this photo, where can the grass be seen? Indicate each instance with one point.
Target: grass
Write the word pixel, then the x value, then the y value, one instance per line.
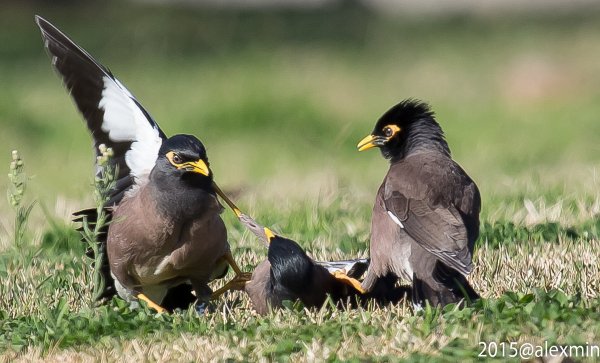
pixel 280 100
pixel 534 292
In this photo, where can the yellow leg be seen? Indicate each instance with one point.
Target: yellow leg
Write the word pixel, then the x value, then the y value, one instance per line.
pixel 233 207
pixel 237 283
pixel 264 234
pixel 151 303
pixel 341 275
pixel 229 258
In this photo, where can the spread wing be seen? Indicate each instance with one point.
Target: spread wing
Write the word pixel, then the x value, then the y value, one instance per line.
pixel 114 118
pixel 437 212
pixel 113 115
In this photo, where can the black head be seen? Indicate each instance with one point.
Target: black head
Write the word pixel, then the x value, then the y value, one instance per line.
pixel 406 126
pixel 291 268
pixel 183 158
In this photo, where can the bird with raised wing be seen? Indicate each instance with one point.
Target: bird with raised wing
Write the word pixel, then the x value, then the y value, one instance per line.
pixel 165 227
pixel 426 215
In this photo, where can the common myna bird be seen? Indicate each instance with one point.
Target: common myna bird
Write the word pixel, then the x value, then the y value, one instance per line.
pixel 289 274
pixel 166 228
pixel 426 214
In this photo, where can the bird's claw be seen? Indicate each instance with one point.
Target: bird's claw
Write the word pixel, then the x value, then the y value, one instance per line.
pixel 151 304
pixel 237 283
pixel 341 275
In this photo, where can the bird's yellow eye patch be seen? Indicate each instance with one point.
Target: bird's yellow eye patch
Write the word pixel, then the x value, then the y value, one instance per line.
pixel 390 130
pixel 174 158
pixel 375 140
pixel 198 166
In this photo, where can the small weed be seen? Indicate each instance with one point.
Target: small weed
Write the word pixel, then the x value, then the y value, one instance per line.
pixel 104 183
pixel 16 192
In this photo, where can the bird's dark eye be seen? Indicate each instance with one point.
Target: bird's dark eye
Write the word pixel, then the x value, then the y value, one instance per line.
pixel 177 159
pixel 388 132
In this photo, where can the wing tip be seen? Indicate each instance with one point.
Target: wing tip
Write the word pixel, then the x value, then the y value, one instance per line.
pixel 466 268
pixel 50 33
pixel 463 264
pixel 43 24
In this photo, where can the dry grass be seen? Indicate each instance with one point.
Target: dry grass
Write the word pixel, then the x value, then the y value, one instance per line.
pixel 570 266
pixel 36 281
pixel 32 287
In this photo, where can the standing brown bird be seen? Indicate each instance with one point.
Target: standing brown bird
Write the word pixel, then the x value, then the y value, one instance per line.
pixel 426 214
pixel 166 228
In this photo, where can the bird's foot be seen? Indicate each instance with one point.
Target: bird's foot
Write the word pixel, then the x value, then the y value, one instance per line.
pixel 151 304
pixel 237 283
pixel 201 307
pixel 341 275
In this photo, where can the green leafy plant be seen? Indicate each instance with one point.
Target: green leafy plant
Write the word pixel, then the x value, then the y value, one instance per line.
pixel 104 182
pixel 16 191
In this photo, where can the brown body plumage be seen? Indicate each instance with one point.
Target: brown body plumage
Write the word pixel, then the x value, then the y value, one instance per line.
pixel 426 214
pixel 165 225
pixel 150 251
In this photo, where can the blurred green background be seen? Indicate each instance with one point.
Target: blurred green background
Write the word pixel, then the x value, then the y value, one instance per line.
pixel 280 96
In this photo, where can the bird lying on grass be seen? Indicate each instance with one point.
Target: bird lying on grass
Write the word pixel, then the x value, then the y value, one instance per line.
pixel 166 228
pixel 426 214
pixel 289 274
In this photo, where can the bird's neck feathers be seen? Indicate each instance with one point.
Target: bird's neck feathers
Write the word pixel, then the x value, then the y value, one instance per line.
pixel 180 198
pixel 291 268
pixel 424 134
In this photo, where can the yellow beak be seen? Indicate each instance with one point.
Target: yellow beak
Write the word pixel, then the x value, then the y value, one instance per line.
pixel 269 233
pixel 199 167
pixel 366 143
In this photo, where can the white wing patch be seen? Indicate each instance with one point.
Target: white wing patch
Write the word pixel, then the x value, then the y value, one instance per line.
pixel 344 266
pixel 124 121
pixel 395 219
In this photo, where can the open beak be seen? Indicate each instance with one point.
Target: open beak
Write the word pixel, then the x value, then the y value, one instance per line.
pixel 199 167
pixel 370 141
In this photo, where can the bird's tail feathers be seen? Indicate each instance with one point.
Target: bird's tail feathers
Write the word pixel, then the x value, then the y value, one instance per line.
pixel 451 287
